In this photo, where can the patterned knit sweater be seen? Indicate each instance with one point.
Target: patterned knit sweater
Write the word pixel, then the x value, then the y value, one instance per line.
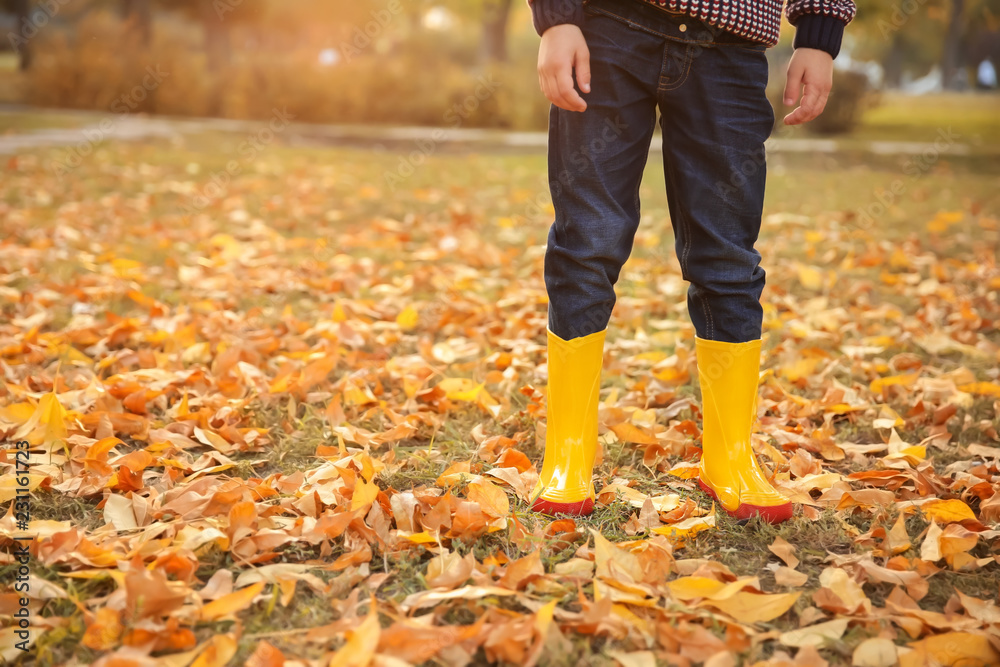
pixel 819 23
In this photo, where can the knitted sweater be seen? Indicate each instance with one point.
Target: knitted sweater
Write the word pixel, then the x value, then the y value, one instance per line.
pixel 819 24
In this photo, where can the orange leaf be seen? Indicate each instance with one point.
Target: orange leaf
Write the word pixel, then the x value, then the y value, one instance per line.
pixel 266 655
pixel 628 432
pixel 361 643
pixel 491 498
pixel 316 372
pixel 218 653
pixel 522 569
pixel 232 603
pixel 102 634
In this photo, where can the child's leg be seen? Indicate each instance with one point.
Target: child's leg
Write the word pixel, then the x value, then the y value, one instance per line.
pixel 596 160
pixel 715 123
pixel 714 127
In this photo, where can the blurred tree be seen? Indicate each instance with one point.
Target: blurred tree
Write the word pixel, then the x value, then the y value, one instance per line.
pixel 951 52
pixel 140 16
pixel 21 42
pixel 913 36
pixel 217 18
pixel 496 15
pixel 492 16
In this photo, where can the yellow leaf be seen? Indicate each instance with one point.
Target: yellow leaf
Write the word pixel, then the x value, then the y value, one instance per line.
pixel 214 440
pixel 951 648
pixel 365 494
pixel 799 369
pixel 687 527
pixel 691 588
pixel 461 389
pixel 631 433
pixel 956 539
pixel 218 653
pixel 361 644
pixel 897 539
pixel 9 486
pixel 232 603
pixel 543 618
pixel 407 318
pixel 947 511
pixel 943 220
pixel 840 583
pixel 18 413
pixel 754 607
pixel 905 380
pixel 355 395
pixel 53 416
pixel 125 267
pixel 982 388
pixel 455 473
pixel 613 561
pixel 338 314
pixel 810 277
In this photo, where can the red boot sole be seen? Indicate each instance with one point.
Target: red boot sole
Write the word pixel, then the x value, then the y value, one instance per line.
pixel 770 513
pixel 582 508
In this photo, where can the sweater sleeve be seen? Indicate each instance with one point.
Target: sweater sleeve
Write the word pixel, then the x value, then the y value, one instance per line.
pixel 819 24
pixel 547 13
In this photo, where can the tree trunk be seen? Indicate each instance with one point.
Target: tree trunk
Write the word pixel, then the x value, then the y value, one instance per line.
pixel 216 35
pixel 495 15
pixel 951 56
pixel 892 66
pixel 22 14
pixel 138 14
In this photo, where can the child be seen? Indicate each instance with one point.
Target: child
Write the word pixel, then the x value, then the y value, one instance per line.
pixel 606 65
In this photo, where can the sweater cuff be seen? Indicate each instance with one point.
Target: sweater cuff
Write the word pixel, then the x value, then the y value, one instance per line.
pixel 817 31
pixel 547 13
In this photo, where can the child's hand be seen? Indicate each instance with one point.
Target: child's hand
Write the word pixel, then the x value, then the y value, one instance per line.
pixel 813 69
pixel 564 49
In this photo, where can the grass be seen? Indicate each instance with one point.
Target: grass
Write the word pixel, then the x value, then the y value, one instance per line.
pixel 975 118
pixel 343 208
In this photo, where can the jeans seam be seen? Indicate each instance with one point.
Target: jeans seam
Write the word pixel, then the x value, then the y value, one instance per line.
pixel 689 57
pixel 639 26
pixel 711 321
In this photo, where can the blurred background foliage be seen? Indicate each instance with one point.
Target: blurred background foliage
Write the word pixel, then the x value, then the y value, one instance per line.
pixel 468 63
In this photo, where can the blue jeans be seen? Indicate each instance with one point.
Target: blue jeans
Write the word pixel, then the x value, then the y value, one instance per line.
pixel 709 86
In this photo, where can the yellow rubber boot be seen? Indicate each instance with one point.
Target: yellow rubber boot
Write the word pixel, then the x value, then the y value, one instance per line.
pixel 565 485
pixel 729 472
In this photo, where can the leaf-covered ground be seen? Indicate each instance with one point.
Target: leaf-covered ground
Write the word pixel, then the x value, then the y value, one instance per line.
pixel 291 416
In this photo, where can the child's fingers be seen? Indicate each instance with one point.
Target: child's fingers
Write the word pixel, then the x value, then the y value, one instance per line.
pixel 793 84
pixel 568 92
pixel 582 64
pixel 813 103
pixel 553 93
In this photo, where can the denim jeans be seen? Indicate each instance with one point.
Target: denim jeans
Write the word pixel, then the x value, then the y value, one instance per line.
pixel 709 86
